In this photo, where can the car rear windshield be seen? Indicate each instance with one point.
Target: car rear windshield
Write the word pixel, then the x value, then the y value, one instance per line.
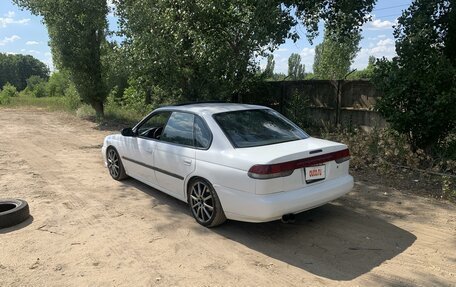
pixel 250 128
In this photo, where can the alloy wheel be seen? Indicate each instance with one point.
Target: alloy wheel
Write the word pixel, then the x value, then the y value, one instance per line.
pixel 202 202
pixel 113 163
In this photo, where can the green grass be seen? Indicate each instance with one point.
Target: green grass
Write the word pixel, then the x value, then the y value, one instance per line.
pixel 114 115
pixel 48 103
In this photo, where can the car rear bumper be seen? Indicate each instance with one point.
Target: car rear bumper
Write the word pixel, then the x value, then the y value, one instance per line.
pixel 244 206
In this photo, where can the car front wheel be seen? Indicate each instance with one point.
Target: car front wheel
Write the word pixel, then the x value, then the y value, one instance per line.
pixel 115 166
pixel 205 204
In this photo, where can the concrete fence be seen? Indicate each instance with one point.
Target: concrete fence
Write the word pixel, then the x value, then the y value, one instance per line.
pixel 324 103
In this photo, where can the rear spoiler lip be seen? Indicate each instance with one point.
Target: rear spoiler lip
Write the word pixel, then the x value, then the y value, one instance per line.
pixel 267 171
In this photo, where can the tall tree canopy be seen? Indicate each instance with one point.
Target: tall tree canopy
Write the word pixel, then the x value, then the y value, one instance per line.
pixel 334 56
pixel 419 85
pixel 200 49
pixel 16 69
pixel 296 70
pixel 76 30
pixel 208 49
pixel 192 49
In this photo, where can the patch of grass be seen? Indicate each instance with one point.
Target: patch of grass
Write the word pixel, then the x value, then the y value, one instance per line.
pixel 48 103
pixel 115 115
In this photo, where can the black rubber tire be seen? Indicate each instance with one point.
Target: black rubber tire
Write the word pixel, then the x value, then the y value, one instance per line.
pixel 218 216
pixel 121 174
pixel 13 212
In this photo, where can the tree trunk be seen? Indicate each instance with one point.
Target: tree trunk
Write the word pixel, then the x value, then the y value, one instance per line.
pixel 148 99
pixel 99 108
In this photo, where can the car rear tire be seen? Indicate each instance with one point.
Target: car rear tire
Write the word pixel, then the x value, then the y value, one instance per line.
pixel 205 204
pixel 13 212
pixel 115 166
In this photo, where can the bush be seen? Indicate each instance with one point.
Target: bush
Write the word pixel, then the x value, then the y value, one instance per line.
pixel 419 105
pixel 7 93
pixel 57 84
pixel 36 86
pixel 71 98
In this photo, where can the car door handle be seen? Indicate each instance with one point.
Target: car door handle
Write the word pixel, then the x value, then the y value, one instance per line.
pixel 187 162
pixel 148 150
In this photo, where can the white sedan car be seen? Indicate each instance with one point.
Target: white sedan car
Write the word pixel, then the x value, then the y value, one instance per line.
pixel 230 161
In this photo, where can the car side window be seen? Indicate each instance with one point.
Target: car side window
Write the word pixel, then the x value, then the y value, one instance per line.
pixel 201 134
pixel 153 127
pixel 179 129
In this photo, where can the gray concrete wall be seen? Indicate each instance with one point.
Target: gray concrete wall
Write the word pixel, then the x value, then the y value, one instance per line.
pixel 328 103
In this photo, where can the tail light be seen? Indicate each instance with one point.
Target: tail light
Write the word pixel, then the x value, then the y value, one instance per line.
pixel 268 171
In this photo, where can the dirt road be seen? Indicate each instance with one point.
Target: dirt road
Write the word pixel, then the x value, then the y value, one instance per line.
pixel 89 230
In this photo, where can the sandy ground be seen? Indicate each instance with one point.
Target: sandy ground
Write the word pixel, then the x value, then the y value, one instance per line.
pixel 89 230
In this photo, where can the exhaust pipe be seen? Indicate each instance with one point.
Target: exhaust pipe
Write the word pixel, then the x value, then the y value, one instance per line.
pixel 288 218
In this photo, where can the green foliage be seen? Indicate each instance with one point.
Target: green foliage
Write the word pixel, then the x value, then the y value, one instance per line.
pixel 16 69
pixel 309 76
pixel 334 56
pixel 367 73
pixel 36 86
pixel 200 50
pixel 419 85
pixel 58 83
pixel 208 49
pixel 297 110
pixel 342 19
pixel 296 70
pixel 71 98
pixel 8 91
pixel 115 68
pixel 77 30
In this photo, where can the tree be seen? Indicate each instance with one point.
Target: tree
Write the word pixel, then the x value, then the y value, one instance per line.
pixel 58 83
pixel 208 49
pixel 200 50
pixel 419 85
pixel 295 68
pixel 269 70
pixel 76 30
pixel 366 73
pixel 334 56
pixel 116 71
pixel 16 69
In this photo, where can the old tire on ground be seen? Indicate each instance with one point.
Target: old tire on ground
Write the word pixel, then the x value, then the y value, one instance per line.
pixel 13 212
pixel 204 203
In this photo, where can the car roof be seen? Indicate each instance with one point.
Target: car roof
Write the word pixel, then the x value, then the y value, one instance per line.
pixel 211 108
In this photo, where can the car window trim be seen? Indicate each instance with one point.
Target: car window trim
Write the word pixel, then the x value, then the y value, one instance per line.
pixel 146 118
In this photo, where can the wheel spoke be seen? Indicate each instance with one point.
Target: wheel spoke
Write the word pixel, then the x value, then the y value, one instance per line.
pixel 208 206
pixel 199 189
pixel 207 213
pixel 194 197
pixel 207 197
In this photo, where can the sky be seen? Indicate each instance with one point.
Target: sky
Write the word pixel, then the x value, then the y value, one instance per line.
pixel 23 33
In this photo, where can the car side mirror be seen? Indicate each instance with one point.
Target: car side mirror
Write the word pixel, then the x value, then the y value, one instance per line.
pixel 128 132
